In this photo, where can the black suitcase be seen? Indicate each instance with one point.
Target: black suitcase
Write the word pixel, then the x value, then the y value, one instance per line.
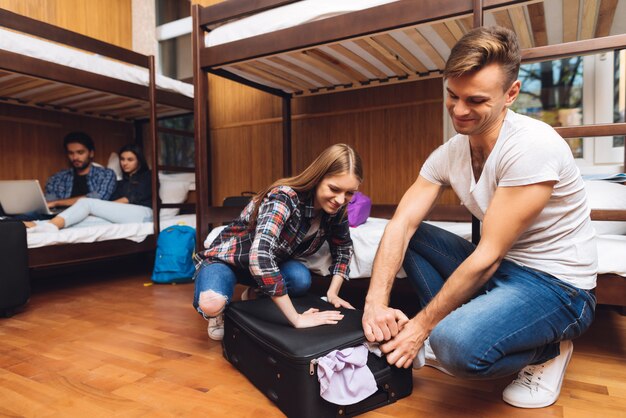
pixel 14 280
pixel 279 359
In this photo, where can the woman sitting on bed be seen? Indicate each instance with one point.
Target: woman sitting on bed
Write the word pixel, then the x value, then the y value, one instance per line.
pixel 291 218
pixel 131 201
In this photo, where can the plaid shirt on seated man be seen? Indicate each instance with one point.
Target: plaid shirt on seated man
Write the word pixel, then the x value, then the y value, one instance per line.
pixel 100 181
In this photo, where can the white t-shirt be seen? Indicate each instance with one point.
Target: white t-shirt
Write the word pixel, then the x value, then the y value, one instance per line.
pixel 561 240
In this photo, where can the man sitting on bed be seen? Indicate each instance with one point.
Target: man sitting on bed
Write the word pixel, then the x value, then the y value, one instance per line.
pixel 83 178
pixel 512 303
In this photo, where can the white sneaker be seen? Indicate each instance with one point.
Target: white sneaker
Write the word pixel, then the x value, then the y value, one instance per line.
pixel 539 385
pixel 216 328
pixel 426 357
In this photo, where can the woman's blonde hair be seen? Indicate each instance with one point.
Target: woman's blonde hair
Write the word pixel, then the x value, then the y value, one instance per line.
pixel 483 46
pixel 334 160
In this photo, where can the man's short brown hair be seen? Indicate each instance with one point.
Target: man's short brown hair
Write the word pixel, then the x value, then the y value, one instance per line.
pixel 483 46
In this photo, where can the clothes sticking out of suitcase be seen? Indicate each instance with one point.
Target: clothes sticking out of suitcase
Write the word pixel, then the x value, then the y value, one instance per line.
pixel 282 361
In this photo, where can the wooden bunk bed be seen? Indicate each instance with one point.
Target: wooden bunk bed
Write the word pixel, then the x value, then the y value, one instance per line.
pixel 338 53
pixel 35 82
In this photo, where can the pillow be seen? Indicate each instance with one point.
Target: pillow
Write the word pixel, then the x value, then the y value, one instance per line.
pixel 607 195
pixel 186 177
pixel 114 164
pixel 173 192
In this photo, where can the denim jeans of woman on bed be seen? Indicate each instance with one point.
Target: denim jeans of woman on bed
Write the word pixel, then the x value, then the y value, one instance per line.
pixel 88 211
pixel 517 318
pixel 222 278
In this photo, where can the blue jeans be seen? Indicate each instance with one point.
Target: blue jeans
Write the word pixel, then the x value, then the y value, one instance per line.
pixel 517 318
pixel 222 278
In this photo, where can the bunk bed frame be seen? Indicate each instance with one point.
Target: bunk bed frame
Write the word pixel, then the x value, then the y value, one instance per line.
pixel 360 25
pixel 128 102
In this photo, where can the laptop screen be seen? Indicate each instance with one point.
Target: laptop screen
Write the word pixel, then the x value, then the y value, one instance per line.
pixel 22 196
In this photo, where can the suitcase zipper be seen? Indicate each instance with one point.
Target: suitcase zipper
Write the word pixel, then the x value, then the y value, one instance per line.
pixel 312 364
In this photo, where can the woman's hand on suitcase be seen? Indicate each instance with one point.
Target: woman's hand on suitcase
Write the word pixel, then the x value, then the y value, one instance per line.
pixel 314 317
pixel 332 295
pixel 337 302
pixel 311 318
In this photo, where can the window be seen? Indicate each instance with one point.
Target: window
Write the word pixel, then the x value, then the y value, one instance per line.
pixel 575 91
pixel 174 37
pixel 552 91
pixel 170 10
pixel 176 141
pixel 175 58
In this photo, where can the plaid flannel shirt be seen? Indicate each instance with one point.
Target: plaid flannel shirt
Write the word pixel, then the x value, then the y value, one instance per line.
pixel 100 181
pixel 283 220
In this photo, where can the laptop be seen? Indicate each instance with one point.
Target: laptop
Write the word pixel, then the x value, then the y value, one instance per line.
pixel 22 196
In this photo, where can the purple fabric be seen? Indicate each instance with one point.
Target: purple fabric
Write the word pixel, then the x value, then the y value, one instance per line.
pixel 359 209
pixel 344 376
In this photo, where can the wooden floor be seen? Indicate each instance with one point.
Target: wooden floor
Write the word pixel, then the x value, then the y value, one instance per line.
pixel 102 345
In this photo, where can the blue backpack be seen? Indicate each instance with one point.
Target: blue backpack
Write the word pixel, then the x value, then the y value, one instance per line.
pixel 174 255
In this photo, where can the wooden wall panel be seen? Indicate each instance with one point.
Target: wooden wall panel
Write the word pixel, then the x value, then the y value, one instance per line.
pixel 107 20
pixel 394 128
pixel 245 159
pixel 31 140
pixel 233 104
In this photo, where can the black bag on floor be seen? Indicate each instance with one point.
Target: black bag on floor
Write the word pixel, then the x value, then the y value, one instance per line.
pixel 14 280
pixel 280 360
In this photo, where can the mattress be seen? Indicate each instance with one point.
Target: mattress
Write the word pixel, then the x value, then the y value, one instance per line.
pixel 285 17
pixel 70 57
pixel 366 238
pixel 95 229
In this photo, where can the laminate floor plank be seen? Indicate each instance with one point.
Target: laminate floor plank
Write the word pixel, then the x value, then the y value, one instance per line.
pixel 114 345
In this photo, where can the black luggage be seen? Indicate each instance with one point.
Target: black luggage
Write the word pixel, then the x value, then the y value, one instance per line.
pixel 14 280
pixel 279 359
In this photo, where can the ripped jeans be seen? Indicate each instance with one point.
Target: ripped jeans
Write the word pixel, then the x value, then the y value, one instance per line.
pixel 517 318
pixel 222 278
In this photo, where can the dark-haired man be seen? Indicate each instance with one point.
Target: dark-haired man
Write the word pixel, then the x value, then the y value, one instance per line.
pixel 83 178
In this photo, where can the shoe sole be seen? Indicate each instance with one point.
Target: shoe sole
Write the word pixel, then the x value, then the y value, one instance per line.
pixel 558 390
pixel 216 338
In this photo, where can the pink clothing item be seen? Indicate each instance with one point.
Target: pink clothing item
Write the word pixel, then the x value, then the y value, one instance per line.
pixel 344 376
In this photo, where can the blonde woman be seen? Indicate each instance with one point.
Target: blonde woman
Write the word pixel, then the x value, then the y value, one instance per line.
pixel 291 218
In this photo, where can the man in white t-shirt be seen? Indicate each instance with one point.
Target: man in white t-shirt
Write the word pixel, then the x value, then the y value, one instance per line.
pixel 513 302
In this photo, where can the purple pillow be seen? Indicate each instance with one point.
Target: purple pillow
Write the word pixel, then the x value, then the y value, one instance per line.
pixel 359 209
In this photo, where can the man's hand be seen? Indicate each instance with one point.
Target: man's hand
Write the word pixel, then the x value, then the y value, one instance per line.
pixel 381 323
pixel 402 349
pixel 52 204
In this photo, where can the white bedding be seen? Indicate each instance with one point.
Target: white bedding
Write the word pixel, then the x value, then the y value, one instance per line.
pixel 93 230
pixel 87 61
pixel 285 17
pixel 365 238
